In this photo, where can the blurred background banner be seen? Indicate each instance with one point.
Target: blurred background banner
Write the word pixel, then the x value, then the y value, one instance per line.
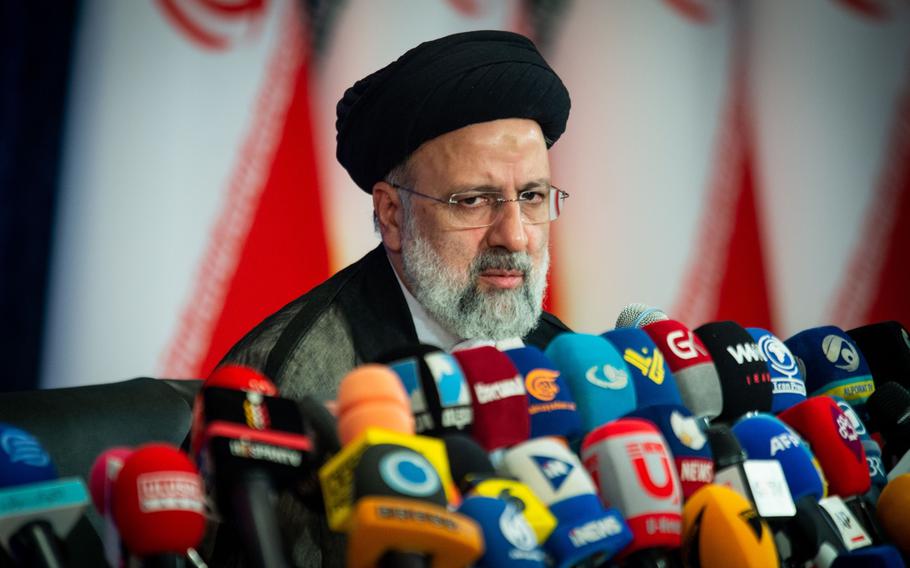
pixel 726 159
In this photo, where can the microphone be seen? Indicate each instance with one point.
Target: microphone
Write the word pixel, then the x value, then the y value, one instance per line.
pixel 391 476
pixel 720 528
pixel 36 508
pixel 630 464
pixel 551 406
pixel 889 409
pixel 691 364
pixel 499 400
pixel 873 451
pixel 584 529
pixel 787 386
pixel 833 365
pixel 886 348
pixel 884 556
pixel 892 511
pixel 688 445
pixel 101 484
pixel 439 393
pixel 158 504
pixel 639 315
pixel 372 394
pixel 507 536
pixel 744 377
pixel 651 375
pixel 597 376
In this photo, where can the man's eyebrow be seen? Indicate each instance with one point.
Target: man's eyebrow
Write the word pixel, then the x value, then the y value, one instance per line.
pixel 534 184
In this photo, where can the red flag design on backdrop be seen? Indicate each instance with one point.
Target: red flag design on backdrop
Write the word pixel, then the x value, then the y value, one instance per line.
pixel 727 275
pixel 268 245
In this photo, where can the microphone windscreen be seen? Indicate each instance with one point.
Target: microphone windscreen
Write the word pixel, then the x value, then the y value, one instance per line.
pixel 889 408
pixel 833 365
pixel 550 404
pixel 103 474
pixel 765 437
pixel 687 443
pixel 725 446
pixel 883 556
pixel 508 538
pixel 597 376
pixel 834 442
pixel 158 502
pixel 744 378
pixel 240 377
pixel 651 375
pixel 639 315
pixel 891 510
pixel 22 458
pixel 439 393
pixel 871 447
pixel 688 358
pixel 466 457
pixel 499 399
pixel 787 386
pixel 391 470
pixel 721 528
pixel 886 347
pixel 372 396
pixel 629 462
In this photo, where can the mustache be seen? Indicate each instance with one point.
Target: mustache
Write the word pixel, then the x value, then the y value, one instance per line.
pixel 501 259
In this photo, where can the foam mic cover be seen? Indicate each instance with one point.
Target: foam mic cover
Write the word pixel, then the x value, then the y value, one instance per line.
pixel 630 463
pixel 835 442
pixel 725 446
pixel 550 404
pixel 597 376
pixel 721 528
pixel 833 365
pixel 765 437
pixel 158 502
pixel 891 511
pixel 691 364
pixel 507 536
pixel 372 395
pixel 744 378
pixel 651 375
pixel 466 458
pixel 889 409
pixel 397 471
pixel 886 347
pixel 687 443
pixel 521 496
pixel 584 529
pixel 787 386
pixel 23 458
pixel 499 399
pixel 439 393
pixel 102 477
pixel 883 556
pixel 871 447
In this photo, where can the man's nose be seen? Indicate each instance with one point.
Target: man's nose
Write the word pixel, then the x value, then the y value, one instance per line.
pixel 508 231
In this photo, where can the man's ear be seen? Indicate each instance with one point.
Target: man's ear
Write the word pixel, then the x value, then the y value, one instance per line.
pixel 387 208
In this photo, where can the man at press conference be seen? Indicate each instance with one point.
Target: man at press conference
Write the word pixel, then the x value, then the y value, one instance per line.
pixel 451 142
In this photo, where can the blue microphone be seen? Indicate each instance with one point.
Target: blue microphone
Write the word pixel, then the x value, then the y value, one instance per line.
pixel 651 375
pixel 508 538
pixel 765 437
pixel 597 376
pixel 35 506
pixel 787 385
pixel 550 404
pixel 833 365
pixel 883 556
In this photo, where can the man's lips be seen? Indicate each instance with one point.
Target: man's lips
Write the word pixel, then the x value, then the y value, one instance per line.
pixel 503 278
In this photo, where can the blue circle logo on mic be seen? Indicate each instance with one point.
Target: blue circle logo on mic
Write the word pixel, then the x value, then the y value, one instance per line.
pixel 409 473
pixel 779 357
pixel 22 447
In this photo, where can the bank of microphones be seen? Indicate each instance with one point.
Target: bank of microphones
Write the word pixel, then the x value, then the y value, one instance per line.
pixel 649 445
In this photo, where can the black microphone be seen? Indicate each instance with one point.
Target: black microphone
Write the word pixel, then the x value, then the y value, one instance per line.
pixel 889 410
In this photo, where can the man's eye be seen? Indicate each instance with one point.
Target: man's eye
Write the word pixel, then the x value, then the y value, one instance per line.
pixel 532 196
pixel 474 201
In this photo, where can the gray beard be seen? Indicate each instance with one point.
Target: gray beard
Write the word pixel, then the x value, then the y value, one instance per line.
pixel 455 301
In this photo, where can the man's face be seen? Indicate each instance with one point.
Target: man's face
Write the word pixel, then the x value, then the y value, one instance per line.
pixel 482 282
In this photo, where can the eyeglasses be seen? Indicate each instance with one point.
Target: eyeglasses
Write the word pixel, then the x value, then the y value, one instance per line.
pixel 477 209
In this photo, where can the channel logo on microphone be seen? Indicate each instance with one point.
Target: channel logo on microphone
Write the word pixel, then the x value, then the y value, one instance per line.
pixel 555 470
pixel 409 473
pixel 610 377
pixel 450 382
pixel 541 384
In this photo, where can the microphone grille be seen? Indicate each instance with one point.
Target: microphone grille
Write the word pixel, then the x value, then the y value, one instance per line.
pixel 639 315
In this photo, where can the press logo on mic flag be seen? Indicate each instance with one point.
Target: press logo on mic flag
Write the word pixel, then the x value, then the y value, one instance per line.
pixel 841 353
pixel 687 431
pixel 684 345
pixel 170 491
pixel 409 473
pixel 491 392
pixel 406 369
pixel 745 353
pixel 781 360
pixel 516 529
pixel 255 412
pixel 541 384
pixel 450 383
pixel 610 378
pixel 644 455
pixel 21 447
pixel 651 367
pixel 833 365
pixel 555 470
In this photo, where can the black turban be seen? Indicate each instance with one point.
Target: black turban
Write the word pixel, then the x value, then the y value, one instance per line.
pixel 440 86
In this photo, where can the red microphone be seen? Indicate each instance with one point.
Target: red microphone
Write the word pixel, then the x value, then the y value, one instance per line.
pixel 499 399
pixel 158 503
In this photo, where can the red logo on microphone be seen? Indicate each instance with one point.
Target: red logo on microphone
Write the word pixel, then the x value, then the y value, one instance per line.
pixel 640 454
